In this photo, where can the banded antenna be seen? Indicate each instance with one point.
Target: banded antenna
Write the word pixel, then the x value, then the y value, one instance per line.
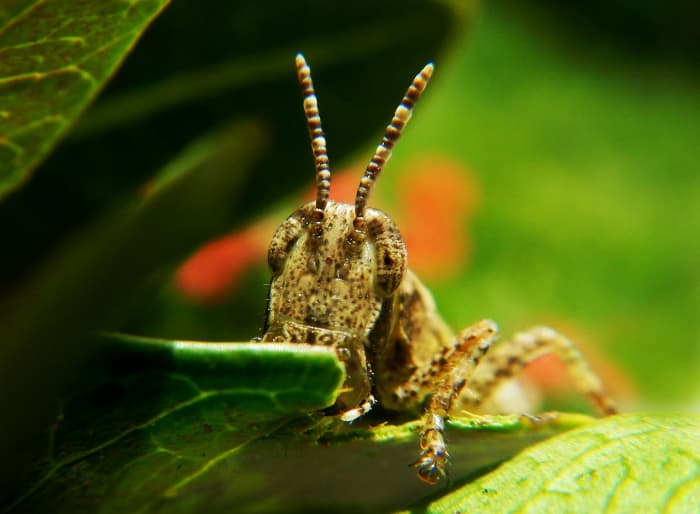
pixel 391 135
pixel 318 139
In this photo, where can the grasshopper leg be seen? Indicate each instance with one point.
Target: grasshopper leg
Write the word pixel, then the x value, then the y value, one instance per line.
pixel 469 348
pixel 508 358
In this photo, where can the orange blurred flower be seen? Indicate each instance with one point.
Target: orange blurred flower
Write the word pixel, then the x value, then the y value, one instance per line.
pixel 551 376
pixel 212 272
pixel 436 198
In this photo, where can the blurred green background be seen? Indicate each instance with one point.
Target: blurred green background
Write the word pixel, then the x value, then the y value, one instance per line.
pixel 587 155
pixel 587 151
pixel 577 127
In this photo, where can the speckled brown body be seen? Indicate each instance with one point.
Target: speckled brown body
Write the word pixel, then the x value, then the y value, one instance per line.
pixel 340 278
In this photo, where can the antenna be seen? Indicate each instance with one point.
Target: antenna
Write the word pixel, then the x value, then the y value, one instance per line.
pixel 391 135
pixel 318 139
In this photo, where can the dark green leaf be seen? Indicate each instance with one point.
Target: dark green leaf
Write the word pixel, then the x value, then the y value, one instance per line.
pixel 56 56
pixel 271 378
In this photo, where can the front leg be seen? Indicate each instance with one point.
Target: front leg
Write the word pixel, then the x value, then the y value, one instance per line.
pixel 351 415
pixel 469 347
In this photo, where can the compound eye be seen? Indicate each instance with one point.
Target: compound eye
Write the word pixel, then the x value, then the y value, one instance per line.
pixel 390 254
pixel 283 241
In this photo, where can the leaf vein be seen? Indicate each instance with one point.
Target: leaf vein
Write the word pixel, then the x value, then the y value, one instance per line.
pixel 173 490
pixel 41 75
pixel 13 21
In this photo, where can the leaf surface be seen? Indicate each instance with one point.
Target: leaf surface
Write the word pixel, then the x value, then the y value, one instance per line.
pixel 623 464
pixel 56 56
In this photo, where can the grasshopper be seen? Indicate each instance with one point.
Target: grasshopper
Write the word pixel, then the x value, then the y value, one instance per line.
pixel 340 278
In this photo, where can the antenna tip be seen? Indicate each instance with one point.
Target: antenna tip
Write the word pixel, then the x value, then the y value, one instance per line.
pixel 300 60
pixel 427 70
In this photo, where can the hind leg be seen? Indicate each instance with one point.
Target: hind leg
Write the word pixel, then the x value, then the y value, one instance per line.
pixel 508 358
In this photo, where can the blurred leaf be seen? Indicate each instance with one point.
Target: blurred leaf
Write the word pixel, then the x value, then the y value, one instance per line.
pixel 629 463
pixel 95 277
pixel 216 427
pixel 56 56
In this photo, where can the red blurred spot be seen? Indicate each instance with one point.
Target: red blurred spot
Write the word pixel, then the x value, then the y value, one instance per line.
pixel 550 373
pixel 436 195
pixel 343 185
pixel 209 274
pixel 436 198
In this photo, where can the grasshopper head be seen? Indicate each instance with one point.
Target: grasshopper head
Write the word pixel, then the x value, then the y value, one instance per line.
pixel 331 276
pixel 333 264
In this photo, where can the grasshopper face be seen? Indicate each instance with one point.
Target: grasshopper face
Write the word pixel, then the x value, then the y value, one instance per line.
pixel 333 281
pixel 329 283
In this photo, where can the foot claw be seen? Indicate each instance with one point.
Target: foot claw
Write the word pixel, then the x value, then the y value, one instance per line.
pixel 431 465
pixel 352 414
pixel 433 457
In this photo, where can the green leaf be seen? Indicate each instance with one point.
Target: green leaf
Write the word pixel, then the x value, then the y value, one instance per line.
pixel 151 432
pixel 271 378
pixel 200 427
pixel 215 427
pixel 56 57
pixel 95 277
pixel 629 463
